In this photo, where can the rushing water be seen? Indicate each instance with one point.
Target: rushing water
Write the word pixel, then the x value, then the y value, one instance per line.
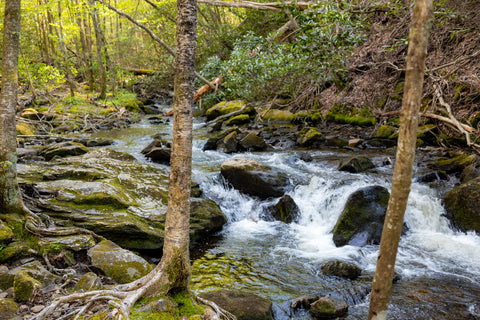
pixel 439 267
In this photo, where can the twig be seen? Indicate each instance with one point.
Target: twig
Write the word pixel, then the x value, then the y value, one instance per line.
pixel 463 58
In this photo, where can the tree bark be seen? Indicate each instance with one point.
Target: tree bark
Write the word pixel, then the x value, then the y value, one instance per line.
pixel 99 44
pixel 402 175
pixel 10 196
pixel 63 50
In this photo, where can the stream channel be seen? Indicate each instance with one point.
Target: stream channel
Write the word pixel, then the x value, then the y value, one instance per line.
pixel 439 267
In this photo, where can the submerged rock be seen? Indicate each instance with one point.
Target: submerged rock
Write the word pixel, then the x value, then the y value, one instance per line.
pixel 328 308
pixel 462 204
pixel 121 265
pixel 361 221
pixel 356 164
pixel 341 269
pixel 254 178
pixel 245 306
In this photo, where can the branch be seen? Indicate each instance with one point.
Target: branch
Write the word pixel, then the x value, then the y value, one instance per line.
pixel 248 5
pixel 150 33
pixel 461 59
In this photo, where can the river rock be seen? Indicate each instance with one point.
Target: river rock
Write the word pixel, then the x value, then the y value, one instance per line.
pixel 432 176
pixel 253 142
pixel 356 164
pixel 455 163
pixel 216 140
pixel 229 143
pixel 159 155
pixel 309 137
pixel 285 210
pixel 223 108
pixel 245 306
pixel 8 308
pixel 469 173
pixel 303 302
pixel 341 269
pixel 361 221
pixel 253 178
pixel 462 204
pixel 328 307
pixel 238 120
pixel 63 149
pixel 206 218
pixel 6 234
pixel 121 265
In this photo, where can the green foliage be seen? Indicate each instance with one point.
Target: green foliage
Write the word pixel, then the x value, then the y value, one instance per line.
pixel 259 69
pixel 44 77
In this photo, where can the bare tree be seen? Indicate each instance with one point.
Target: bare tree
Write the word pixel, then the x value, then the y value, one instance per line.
pixel 10 196
pixel 402 175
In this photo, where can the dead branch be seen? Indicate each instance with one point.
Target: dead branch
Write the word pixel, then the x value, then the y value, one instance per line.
pixel 150 33
pixel 455 62
pixel 207 88
pixel 245 4
pixel 220 312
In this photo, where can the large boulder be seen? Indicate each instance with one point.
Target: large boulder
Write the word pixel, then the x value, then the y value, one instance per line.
pixel 63 149
pixel 309 137
pixel 253 142
pixel 253 178
pixel 462 204
pixel 206 218
pixel 245 306
pixel 285 210
pixel 356 164
pixel 223 108
pixel 121 265
pixel 361 221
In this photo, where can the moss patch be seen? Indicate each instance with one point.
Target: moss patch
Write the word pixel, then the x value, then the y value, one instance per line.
pixel 25 129
pixel 24 286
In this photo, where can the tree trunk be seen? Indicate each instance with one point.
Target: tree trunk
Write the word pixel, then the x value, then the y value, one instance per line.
pixel 63 50
pixel 83 43
pixel 99 42
pixel 10 196
pixel 402 175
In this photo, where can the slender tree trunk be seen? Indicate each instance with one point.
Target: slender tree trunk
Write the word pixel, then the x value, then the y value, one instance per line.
pixel 87 63
pixel 99 42
pixel 63 50
pixel 10 196
pixel 402 175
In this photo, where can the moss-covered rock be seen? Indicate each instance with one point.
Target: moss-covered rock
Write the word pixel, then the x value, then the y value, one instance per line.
pixel 454 164
pixel 384 132
pixel 469 173
pixel 309 137
pixel 74 242
pixel 463 206
pixel 328 308
pixel 24 286
pixel 30 113
pixel 427 133
pixel 63 149
pixel 206 218
pixel 335 141
pixel 34 269
pixel 88 282
pixel 285 210
pixel 229 143
pixel 16 249
pixel 361 221
pixel 356 164
pixel 121 265
pixel 253 142
pixel 25 129
pixel 276 116
pixel 245 306
pixel 341 269
pixel 6 234
pixel 253 178
pixel 223 108
pixel 8 308
pixel 238 120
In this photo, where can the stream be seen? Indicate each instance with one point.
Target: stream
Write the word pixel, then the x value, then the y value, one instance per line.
pixel 439 267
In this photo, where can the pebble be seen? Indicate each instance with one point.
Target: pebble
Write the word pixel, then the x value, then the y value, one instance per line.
pixel 37 308
pixel 23 308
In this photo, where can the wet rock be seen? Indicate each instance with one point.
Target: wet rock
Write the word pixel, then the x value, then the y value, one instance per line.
pixel 245 306
pixel 378 143
pixel 361 221
pixel 159 155
pixel 229 143
pixel 356 164
pixel 121 265
pixel 6 234
pixel 432 176
pixel 206 218
pixel 253 178
pixel 285 210
pixel 156 143
pixel 384 132
pixel 303 302
pixel 462 204
pixel 253 142
pixel 63 149
pixel 223 108
pixel 216 140
pixel 469 173
pixel 98 142
pixel 341 269
pixel 309 137
pixel 328 308
pixel 276 116
pixel 24 286
pixel 335 141
pixel 8 308
pixel 238 120
pixel 88 282
pixel 456 163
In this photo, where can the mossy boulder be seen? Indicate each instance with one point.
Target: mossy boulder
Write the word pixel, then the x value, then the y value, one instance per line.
pixel 253 178
pixel 335 141
pixel 206 218
pixel 384 132
pixel 356 164
pixel 63 149
pixel 6 234
pixel 341 269
pixel 462 204
pixel 76 243
pixel 361 221
pixel 34 269
pixel 88 282
pixel 25 129
pixel 229 143
pixel 238 120
pixel 454 164
pixel 245 306
pixel 223 108
pixel 24 286
pixel 309 137
pixel 8 308
pixel 469 173
pixel 276 116
pixel 285 210
pixel 215 141
pixel 328 307
pixel 15 250
pixel 253 142
pixel 427 133
pixel 121 265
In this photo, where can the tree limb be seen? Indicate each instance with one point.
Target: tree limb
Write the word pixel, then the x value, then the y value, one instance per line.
pixel 245 4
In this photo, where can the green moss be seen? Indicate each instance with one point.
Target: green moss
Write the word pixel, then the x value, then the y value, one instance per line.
pixel 353 120
pixel 185 304
pixel 279 116
pixel 384 132
pixel 309 136
pixel 224 107
pixel 238 120
pixel 6 234
pixel 24 286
